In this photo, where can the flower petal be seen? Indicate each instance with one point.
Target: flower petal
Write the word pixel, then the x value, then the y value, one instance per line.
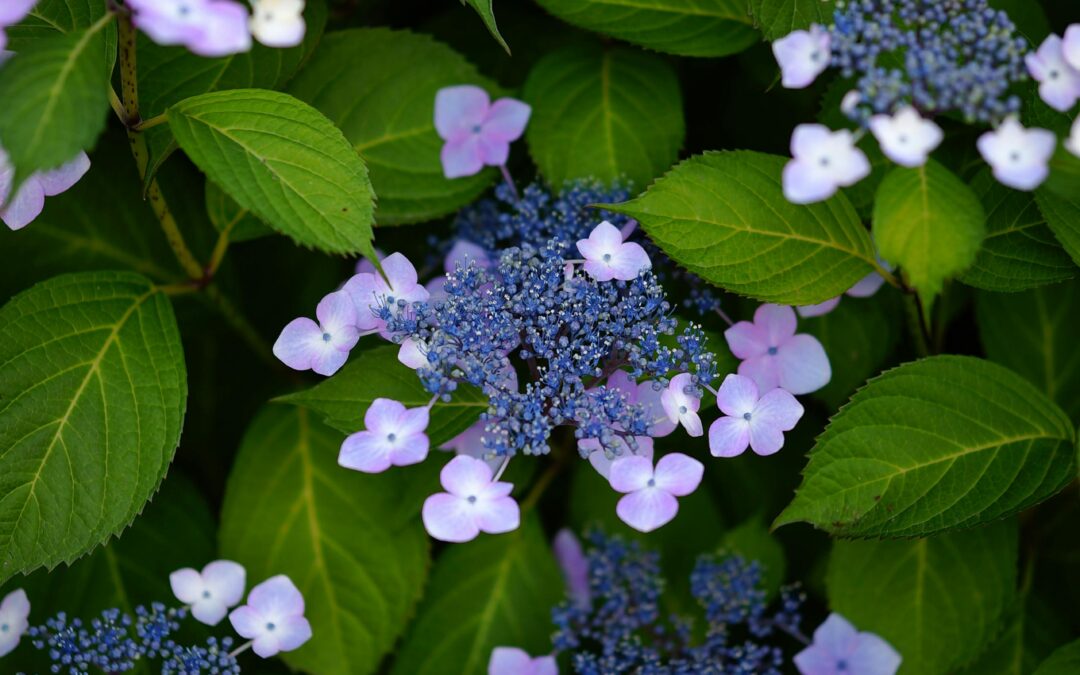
pixel 300 342
pixel 466 476
pixel 292 633
pixel 803 365
pixel 462 157
pixel 629 474
pixel 778 322
pixel 458 109
pixel 574 565
pixel 496 516
pixel 873 656
pixel 187 585
pixel 278 596
pixel 747 340
pixel 226 580
pixel 628 261
pixel 449 518
pixel 27 205
pixel 646 510
pixel 765 440
pixel 737 395
pixel 365 451
pixel 337 317
pixel 763 370
pixel 820 309
pixel 506 120
pixel 509 661
pixel 778 409
pixel 61 180
pixel 729 437
pixel 678 474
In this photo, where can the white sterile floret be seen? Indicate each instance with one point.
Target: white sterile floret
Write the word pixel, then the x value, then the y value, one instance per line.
pixel 906 138
pixel 278 23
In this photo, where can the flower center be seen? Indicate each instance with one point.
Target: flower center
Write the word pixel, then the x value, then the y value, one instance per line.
pixel 4 628
pixel 270 625
pixel 652 482
pixel 477 128
pixel 747 416
pixel 841 664
pixel 326 337
pixel 1014 156
pixel 773 351
pixel 815 55
pixel 903 139
pixel 1053 74
pixel 607 257
pixel 682 410
pixel 206 595
pixel 824 162
pixel 472 499
pixel 391 437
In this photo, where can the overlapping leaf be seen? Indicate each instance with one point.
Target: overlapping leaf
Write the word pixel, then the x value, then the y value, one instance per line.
pixel 487 13
pixel 777 18
pixel 1062 213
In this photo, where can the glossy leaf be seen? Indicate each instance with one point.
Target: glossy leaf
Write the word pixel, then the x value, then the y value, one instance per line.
pixel 378 86
pixel 290 509
pixel 487 14
pixel 282 160
pixel 683 27
pixel 93 391
pixel 937 444
pixel 343 398
pixel 938 601
pixel 777 18
pixel 497 590
pixel 723 216
pixel 619 109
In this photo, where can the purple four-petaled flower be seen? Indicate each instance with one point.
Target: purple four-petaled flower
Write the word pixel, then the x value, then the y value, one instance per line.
pixel 514 661
pixel 212 592
pixel 650 493
pixel 473 503
pixel 839 649
pixel 751 420
pixel 394 436
pixel 324 346
pixel 273 618
pixel 774 356
pixel 608 257
pixel 477 132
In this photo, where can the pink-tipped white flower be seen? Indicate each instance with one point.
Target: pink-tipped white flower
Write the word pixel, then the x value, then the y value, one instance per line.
pixel 514 661
pixel 608 257
pixel 212 592
pixel 1020 157
pixel 802 55
pixel 751 420
pixel 273 618
pixel 324 346
pixel 680 406
pixel 19 210
pixel 823 162
pixel 650 494
pixel 14 620
pixel 12 12
pixel 1059 82
pixel 394 436
pixel 774 356
pixel 477 132
pixel 1070 47
pixel 473 503
pixel 371 292
pixel 278 23
pixel 906 137
pixel 840 649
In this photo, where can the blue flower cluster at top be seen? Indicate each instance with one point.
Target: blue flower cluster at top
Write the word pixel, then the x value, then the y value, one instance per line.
pixel 621 630
pixel 567 331
pixel 108 644
pixel 938 55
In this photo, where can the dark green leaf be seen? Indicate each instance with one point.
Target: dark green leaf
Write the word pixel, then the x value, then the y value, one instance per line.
pixel 777 18
pixel 619 109
pixel 1065 661
pixel 723 216
pixel 1031 633
pixel 1062 213
pixel 93 392
pixel 487 14
pixel 937 444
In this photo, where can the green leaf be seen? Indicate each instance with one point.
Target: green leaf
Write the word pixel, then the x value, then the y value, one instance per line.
pixel 777 18
pixel 231 219
pixel 50 17
pixel 930 223
pixel 937 601
pixel 1029 17
pixel 683 27
pixel 94 388
pixel 723 216
pixel 290 509
pixel 55 98
pixel 619 109
pixel 1019 251
pixel 1031 633
pixel 1064 661
pixel 378 85
pixel 1062 213
pixel 282 160
pixel 343 398
pixel 494 591
pixel 941 443
pixel 1034 334
pixel 487 14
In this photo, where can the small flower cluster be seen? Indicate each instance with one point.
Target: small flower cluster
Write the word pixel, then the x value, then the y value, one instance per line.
pixel 220 27
pixel 272 620
pixel 957 56
pixel 611 621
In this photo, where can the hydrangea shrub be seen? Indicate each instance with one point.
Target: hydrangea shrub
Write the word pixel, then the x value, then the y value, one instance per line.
pixel 381 336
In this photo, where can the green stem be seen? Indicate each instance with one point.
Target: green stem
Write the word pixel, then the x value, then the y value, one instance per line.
pixel 542 483
pixel 917 324
pixel 152 122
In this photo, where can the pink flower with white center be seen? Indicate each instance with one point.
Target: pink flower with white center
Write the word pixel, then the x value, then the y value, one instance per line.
pixel 1072 143
pixel 751 420
pixel 839 649
pixel 802 55
pixel 514 661
pixel 212 592
pixel 650 494
pixel 278 23
pixel 1059 82
pixel 394 436
pixel 14 615
pixel 322 347
pixel 574 565
pixel 824 161
pixel 774 356
pixel 20 210
pixel 680 406
pixel 273 618
pixel 905 137
pixel 12 12
pixel 1070 47
pixel 473 503
pixel 477 132
pixel 371 292
pixel 608 257
pixel 1020 157
pixel 206 27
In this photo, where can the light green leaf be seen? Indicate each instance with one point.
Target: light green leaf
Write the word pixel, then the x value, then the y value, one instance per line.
pixel 497 590
pixel 930 223
pixel 282 160
pixel 1062 213
pixel 231 219
pixel 290 509
pixel 723 216
pixel 937 601
pixel 777 18
pixel 55 98
pixel 1065 661
pixel 487 14
pixel 941 443
pixel 683 27
pixel 343 398
pixel 1019 251
pixel 1034 334
pixel 379 85
pixel 619 109
pixel 93 391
